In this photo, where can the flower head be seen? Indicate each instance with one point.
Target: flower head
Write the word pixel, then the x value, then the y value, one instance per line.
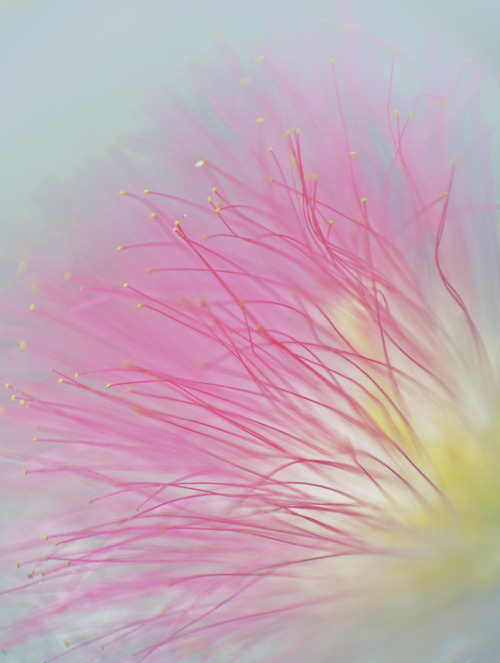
pixel 279 396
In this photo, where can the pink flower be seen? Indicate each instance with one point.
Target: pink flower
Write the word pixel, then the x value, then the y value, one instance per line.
pixel 266 427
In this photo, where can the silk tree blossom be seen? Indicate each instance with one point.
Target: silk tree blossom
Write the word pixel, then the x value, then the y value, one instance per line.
pixel 266 428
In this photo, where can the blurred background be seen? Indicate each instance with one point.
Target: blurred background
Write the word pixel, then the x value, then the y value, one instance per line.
pixel 75 75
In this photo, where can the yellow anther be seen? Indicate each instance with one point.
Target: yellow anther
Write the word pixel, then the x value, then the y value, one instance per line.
pixel 139 305
pixel 352 154
pixel 270 180
pixel 22 401
pixel 125 285
pixel 269 149
pixel 45 537
pixel 331 60
pixel 330 223
pixel 209 200
pixel 214 190
pixel 18 565
pixel 259 326
pixel 7 385
pixel 146 191
pixel 118 248
pixel 122 192
pixel 25 471
pixel 260 120
pixel 204 238
pixel 22 345
pixel 32 307
pixel 13 397
pixel 396 112
pixel 153 215
pixel 60 380
pixel 410 114
pixel 149 270
pixel 76 375
pixel 245 81
pixel 21 267
pixel 108 385
pixel 286 134
pixel 363 200
pixel 67 276
pixel 217 210
pixel 446 193
pixel 297 132
pixel 176 229
pixel 35 439
pixel 447 102
pixel 177 222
